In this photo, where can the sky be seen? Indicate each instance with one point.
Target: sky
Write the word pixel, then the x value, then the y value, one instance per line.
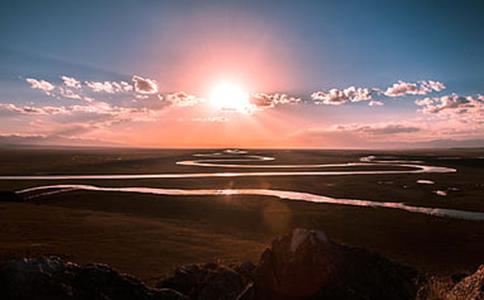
pixel 248 74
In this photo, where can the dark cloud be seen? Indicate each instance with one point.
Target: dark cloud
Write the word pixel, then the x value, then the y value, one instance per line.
pixel 145 85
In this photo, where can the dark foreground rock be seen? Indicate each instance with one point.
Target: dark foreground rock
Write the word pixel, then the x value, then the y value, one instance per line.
pixel 460 286
pixel 302 265
pixel 306 264
pixel 207 281
pixel 52 278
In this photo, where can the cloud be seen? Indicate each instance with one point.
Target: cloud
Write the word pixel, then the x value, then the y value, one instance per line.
pixel 145 85
pixel 468 110
pixel 31 110
pixel 21 138
pixel 434 85
pixel 99 86
pixel 354 94
pixel 338 96
pixel 71 82
pixel 215 119
pixel 452 103
pixel 182 99
pixel 263 100
pixel 361 135
pixel 110 87
pixel 377 129
pixel 51 139
pixel 96 114
pixel 73 89
pixel 70 94
pixel 375 103
pixel 403 88
pixel 447 143
pixel 42 85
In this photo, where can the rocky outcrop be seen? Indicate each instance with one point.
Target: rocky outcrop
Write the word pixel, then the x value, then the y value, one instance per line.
pixel 456 287
pixel 207 281
pixel 299 265
pixel 52 278
pixel 471 287
pixel 304 264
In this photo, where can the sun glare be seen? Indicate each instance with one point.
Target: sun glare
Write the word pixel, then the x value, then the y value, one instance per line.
pixel 230 97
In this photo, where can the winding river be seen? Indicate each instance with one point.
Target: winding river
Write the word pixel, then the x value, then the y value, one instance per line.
pixel 240 159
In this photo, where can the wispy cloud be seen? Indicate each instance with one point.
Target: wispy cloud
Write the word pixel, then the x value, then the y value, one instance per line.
pixel 377 129
pixel 32 110
pixel 214 119
pixel 375 103
pixel 50 139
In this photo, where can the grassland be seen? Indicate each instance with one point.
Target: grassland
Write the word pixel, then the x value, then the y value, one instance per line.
pixel 149 235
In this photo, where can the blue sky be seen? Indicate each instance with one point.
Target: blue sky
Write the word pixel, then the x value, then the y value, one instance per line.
pixel 267 46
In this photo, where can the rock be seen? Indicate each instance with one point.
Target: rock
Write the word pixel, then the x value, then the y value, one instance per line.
pixel 372 276
pixel 298 265
pixel 168 294
pixel 469 288
pixel 248 293
pixel 454 287
pixel 52 278
pixel 206 281
pixel 302 265
pixel 246 269
pixel 306 265
pixel 24 278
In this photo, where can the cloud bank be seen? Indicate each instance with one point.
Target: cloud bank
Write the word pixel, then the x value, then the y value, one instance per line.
pixel 358 94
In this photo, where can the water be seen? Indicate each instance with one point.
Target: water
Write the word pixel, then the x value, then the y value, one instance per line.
pixel 212 160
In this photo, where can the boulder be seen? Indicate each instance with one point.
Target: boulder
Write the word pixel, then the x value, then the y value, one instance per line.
pixel 206 281
pixel 299 265
pixel 470 287
pixel 52 278
pixel 307 265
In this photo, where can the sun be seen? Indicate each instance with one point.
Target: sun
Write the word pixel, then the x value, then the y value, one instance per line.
pixel 227 96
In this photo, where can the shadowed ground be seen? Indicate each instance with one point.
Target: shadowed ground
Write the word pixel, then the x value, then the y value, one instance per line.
pixel 149 235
